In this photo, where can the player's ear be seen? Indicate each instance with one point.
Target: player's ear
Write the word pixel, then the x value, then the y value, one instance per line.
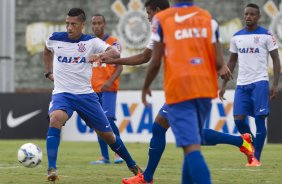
pixel 158 9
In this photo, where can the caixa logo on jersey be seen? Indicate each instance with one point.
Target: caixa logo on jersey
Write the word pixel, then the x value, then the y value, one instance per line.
pixel 133 27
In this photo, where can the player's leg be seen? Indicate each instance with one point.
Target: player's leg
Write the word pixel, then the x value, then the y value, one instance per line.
pixel 261 108
pixel 156 148
pixel 60 110
pixel 92 113
pixel 243 106
pixel 187 120
pixel 243 142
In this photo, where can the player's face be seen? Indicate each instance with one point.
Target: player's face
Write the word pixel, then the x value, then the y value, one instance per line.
pixel 74 27
pixel 251 16
pixel 98 26
pixel 150 13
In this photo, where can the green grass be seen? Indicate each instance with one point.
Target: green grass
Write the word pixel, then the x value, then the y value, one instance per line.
pixel 225 162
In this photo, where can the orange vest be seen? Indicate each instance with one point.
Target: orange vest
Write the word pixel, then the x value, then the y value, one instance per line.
pixel 189 61
pixel 101 73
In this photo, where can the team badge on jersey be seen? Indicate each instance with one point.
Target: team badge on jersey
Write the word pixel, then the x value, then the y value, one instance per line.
pixel 256 39
pixel 81 47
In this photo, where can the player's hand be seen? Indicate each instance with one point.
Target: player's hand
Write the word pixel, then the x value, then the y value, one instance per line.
pixel 107 85
pixel 221 94
pixel 146 92
pixel 273 92
pixel 51 77
pixel 94 58
pixel 107 59
pixel 225 73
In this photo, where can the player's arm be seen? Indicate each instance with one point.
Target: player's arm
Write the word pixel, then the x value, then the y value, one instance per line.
pixel 231 65
pixel 109 52
pixel 153 69
pixel 276 72
pixel 48 63
pixel 133 60
pixel 111 80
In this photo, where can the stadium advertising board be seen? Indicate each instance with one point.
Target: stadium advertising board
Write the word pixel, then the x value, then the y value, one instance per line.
pixel 23 116
pixel 135 120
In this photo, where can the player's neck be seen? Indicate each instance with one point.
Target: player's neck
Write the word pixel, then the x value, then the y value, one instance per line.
pixel 101 36
pixel 251 28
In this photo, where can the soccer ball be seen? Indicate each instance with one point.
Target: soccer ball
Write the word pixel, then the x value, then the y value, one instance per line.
pixel 30 155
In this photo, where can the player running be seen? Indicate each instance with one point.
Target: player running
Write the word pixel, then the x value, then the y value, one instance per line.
pixel 68 58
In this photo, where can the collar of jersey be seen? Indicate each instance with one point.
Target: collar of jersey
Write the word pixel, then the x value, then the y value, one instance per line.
pixel 106 37
pixel 183 4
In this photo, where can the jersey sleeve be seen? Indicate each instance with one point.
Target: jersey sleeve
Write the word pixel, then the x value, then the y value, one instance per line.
pixel 50 43
pixel 233 47
pixel 271 42
pixel 156 32
pixel 215 31
pixel 99 46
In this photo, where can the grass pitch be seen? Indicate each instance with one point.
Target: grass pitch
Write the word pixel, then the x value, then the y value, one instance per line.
pixel 226 164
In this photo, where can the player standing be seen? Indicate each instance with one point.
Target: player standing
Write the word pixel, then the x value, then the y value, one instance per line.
pixel 251 47
pixel 68 58
pixel 105 82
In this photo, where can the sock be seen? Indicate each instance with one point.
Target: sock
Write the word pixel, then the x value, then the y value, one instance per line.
pixel 243 127
pixel 260 136
pixel 119 148
pixel 103 148
pixel 213 137
pixel 103 145
pixel 156 149
pixel 195 169
pixel 52 145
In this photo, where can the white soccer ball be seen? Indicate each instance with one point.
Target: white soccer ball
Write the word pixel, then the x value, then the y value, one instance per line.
pixel 30 155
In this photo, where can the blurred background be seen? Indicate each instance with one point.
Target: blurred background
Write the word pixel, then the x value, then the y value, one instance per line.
pixel 25 25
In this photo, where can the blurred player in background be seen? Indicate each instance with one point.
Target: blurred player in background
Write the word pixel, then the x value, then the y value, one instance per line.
pixel 251 47
pixel 105 82
pixel 68 58
pixel 160 126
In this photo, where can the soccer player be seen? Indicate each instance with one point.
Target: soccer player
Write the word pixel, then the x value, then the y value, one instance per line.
pixel 68 58
pixel 186 36
pixel 105 82
pixel 160 126
pixel 251 47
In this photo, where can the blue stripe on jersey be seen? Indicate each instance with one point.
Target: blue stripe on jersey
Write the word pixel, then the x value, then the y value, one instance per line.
pixel 258 30
pixel 160 32
pixel 106 37
pixel 63 37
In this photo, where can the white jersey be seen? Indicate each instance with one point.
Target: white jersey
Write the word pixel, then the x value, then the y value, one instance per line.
pixel 71 68
pixel 253 49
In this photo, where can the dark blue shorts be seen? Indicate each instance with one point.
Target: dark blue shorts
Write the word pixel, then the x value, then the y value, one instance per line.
pixel 108 101
pixel 252 99
pixel 86 105
pixel 164 112
pixel 187 120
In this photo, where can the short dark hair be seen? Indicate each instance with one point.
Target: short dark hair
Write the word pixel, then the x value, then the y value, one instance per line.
pixel 77 12
pixel 252 5
pixel 154 4
pixel 100 15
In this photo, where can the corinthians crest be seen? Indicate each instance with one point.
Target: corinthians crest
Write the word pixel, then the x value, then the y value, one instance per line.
pixel 133 27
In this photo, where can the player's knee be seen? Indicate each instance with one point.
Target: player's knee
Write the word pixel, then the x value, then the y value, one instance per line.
pixel 239 117
pixel 163 122
pixel 57 119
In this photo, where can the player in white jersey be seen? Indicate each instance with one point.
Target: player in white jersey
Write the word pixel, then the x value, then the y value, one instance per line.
pixel 68 58
pixel 251 47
